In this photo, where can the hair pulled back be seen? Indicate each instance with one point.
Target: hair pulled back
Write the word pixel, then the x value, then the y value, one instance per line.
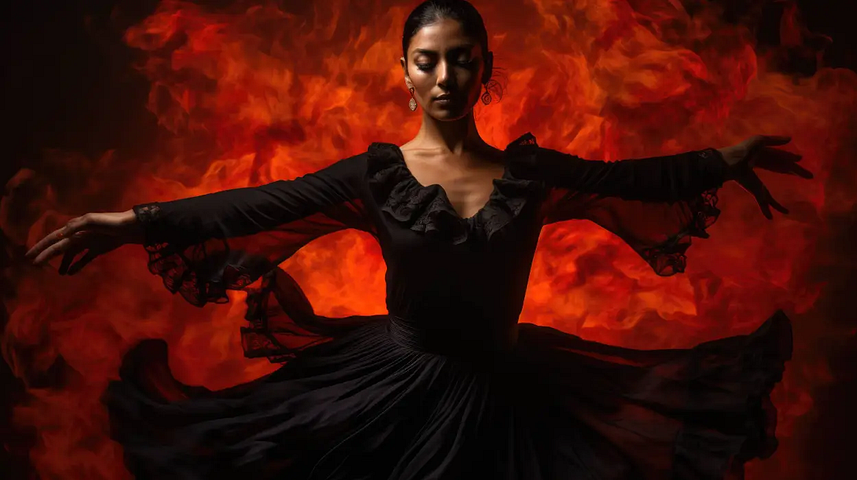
pixel 431 11
pixel 462 11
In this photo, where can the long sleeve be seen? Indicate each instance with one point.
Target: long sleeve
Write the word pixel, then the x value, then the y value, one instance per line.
pixel 202 246
pixel 654 204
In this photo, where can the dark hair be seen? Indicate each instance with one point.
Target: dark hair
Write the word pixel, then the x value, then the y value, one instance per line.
pixel 431 11
pixel 463 12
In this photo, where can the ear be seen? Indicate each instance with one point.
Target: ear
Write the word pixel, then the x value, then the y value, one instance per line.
pixel 404 64
pixel 489 67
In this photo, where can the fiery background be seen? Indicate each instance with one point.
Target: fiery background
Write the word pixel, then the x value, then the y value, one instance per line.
pixel 115 103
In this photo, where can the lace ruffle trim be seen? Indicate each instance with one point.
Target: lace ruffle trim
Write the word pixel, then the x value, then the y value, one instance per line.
pixel 200 272
pixel 426 209
pixel 669 257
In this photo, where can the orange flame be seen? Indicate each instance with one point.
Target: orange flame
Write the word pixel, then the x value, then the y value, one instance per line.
pixel 248 95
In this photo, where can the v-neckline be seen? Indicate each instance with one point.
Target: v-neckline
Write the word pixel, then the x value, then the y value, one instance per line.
pixel 442 191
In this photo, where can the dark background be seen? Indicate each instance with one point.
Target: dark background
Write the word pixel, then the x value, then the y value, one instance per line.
pixel 68 84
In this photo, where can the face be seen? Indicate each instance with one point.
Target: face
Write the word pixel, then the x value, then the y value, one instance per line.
pixel 446 69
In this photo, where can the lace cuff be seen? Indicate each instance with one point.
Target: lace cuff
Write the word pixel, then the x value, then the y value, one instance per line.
pixel 668 258
pixel 149 216
pixel 656 205
pixel 147 213
pixel 200 271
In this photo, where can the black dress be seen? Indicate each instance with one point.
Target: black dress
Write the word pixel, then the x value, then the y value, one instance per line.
pixel 448 385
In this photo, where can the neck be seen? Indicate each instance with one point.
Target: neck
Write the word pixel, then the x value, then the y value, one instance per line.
pixel 452 137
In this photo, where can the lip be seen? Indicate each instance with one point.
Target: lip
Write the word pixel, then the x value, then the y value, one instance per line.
pixel 445 97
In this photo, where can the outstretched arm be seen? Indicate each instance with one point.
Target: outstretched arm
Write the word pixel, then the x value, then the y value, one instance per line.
pixel 204 245
pixel 328 198
pixel 657 179
pixel 657 204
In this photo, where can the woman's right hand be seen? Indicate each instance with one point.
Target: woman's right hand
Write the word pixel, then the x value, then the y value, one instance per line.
pixel 95 233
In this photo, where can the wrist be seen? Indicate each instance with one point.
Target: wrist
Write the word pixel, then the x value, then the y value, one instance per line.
pixel 128 217
pixel 132 228
pixel 725 155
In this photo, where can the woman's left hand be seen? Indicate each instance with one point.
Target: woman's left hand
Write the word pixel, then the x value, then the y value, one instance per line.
pixel 758 151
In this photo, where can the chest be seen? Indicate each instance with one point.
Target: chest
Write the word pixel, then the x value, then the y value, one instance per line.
pixel 468 189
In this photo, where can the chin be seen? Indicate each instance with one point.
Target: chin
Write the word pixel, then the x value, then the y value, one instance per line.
pixel 449 114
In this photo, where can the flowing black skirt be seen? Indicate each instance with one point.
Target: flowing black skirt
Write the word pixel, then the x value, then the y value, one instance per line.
pixel 365 406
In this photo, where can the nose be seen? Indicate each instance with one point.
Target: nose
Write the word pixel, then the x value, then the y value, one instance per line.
pixel 444 74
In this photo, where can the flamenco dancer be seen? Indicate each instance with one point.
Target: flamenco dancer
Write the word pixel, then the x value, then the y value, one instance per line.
pixel 448 384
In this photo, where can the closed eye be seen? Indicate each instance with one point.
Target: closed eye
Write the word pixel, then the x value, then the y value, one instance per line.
pixel 428 66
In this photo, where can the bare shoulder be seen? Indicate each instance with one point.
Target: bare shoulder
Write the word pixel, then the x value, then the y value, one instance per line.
pixel 411 148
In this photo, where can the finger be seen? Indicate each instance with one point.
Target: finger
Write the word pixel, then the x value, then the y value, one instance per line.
pixel 801 172
pixel 771 140
pixel 772 202
pixel 767 200
pixel 45 242
pixel 67 258
pixel 52 251
pixel 766 210
pixel 781 161
pixel 787 168
pixel 84 260
pixel 779 155
pixel 68 230
pixel 753 184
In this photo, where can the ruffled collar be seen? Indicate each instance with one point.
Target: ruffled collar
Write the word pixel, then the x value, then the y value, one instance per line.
pixel 427 209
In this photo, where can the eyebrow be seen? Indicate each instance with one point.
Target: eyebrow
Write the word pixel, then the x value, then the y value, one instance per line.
pixel 423 51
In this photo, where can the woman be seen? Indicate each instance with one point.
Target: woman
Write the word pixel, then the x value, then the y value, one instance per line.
pixel 447 385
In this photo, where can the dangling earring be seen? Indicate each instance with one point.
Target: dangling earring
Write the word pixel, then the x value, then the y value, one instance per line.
pixel 486 97
pixel 413 103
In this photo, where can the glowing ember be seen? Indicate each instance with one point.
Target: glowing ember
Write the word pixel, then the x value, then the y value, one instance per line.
pixel 250 95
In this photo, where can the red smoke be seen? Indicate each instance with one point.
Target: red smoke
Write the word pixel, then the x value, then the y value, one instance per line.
pixel 247 94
